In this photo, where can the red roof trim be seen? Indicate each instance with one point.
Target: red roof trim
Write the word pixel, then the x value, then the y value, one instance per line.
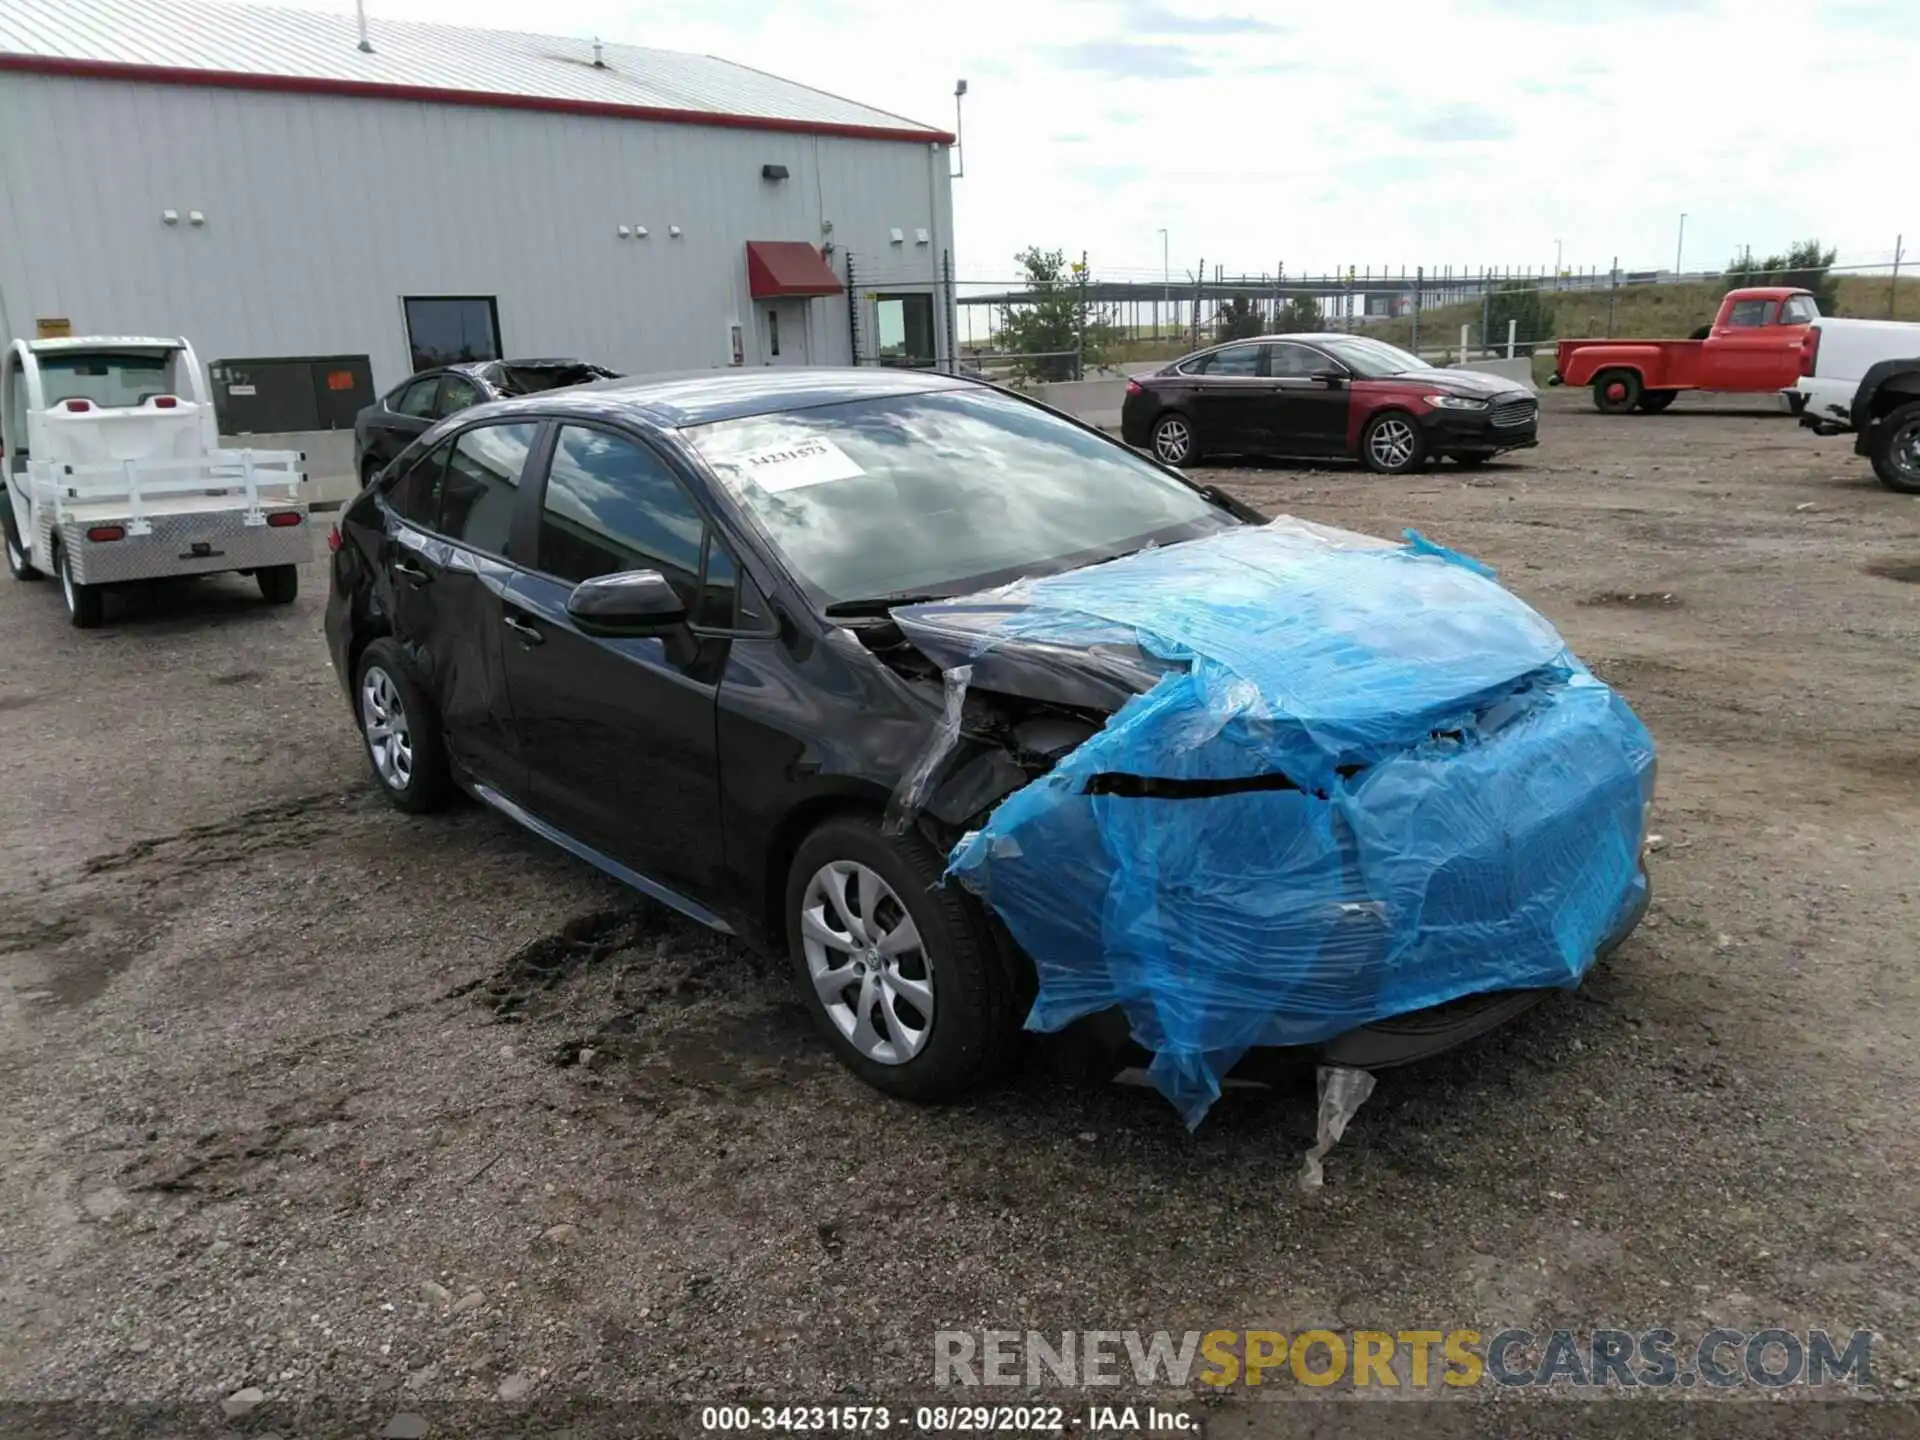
pixel 376 90
pixel 788 267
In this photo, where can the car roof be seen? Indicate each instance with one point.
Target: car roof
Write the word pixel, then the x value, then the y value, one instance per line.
pixel 699 397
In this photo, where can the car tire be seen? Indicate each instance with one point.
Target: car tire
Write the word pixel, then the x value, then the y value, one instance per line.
pixel 279 584
pixel 19 562
pixel 1173 440
pixel 1652 402
pixel 1895 449
pixel 1392 443
pixel 400 730
pixel 86 605
pixel 945 1002
pixel 1615 392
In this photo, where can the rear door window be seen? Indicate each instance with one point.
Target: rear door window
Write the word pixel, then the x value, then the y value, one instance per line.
pixel 479 491
pixel 418 398
pixel 456 394
pixel 1799 310
pixel 415 496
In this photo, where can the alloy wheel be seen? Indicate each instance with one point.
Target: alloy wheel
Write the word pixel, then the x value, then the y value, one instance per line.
pixel 867 962
pixel 383 716
pixel 1905 451
pixel 1392 444
pixel 1172 439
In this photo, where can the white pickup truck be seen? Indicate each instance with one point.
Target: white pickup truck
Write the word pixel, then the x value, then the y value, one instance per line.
pixel 1863 377
pixel 112 471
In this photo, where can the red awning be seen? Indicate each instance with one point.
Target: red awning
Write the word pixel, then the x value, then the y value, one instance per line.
pixel 788 267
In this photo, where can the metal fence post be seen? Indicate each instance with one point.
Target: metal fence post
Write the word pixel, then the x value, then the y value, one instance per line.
pixel 1513 327
pixel 1486 312
pixel 952 308
pixel 1893 290
pixel 1419 294
pixel 1613 295
pixel 853 312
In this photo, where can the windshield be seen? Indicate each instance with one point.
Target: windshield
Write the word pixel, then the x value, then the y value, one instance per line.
pixel 943 492
pixel 111 381
pixel 1372 359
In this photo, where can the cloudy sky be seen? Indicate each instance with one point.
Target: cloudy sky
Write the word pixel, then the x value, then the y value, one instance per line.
pixel 1374 132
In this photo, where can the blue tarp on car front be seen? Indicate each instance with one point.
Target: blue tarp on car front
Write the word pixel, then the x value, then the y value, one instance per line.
pixel 1367 780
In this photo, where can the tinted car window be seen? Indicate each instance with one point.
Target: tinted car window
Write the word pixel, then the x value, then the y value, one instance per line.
pixel 1800 310
pixel 1240 360
pixel 477 492
pixel 613 505
pixel 415 495
pixel 417 398
pixel 456 394
pixel 717 587
pixel 1747 313
pixel 943 490
pixel 1295 362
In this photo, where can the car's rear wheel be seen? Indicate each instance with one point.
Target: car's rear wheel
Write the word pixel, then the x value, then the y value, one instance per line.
pixel 86 605
pixel 1652 402
pixel 1896 450
pixel 401 731
pixel 1392 444
pixel 1615 392
pixel 279 584
pixel 899 971
pixel 1173 439
pixel 19 563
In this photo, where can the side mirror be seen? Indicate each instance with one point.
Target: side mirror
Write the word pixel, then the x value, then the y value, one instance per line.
pixel 634 602
pixel 1332 379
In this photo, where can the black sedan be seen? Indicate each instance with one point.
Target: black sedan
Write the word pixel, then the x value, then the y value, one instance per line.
pixel 1317 397
pixel 659 622
pixel 402 415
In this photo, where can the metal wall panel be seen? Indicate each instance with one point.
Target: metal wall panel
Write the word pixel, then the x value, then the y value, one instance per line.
pixel 322 212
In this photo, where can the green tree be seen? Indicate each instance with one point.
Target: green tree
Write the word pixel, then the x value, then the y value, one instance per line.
pixel 1056 323
pixel 1521 301
pixel 1805 266
pixel 1300 315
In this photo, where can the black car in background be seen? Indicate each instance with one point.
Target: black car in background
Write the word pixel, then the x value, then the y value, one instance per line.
pixel 1317 397
pixel 391 423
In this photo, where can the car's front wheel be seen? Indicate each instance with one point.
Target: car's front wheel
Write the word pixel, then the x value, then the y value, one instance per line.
pixel 900 972
pixel 1896 450
pixel 1652 402
pixel 1392 444
pixel 1173 440
pixel 401 731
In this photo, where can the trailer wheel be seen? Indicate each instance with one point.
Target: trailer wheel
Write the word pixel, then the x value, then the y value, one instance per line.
pixel 1615 392
pixel 19 562
pixel 1896 450
pixel 279 583
pixel 86 606
pixel 1652 402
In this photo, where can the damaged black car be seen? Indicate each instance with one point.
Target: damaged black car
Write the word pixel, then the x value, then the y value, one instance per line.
pixel 980 719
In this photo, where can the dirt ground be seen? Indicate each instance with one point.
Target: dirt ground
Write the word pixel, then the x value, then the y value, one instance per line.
pixel 304 1095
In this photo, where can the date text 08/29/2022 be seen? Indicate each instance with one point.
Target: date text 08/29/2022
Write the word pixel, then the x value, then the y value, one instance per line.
pixel 960 1419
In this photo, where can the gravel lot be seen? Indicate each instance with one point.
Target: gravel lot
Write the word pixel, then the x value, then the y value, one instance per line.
pixel 304 1095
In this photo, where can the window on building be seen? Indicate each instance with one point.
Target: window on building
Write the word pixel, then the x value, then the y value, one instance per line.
pixel 451 329
pixel 613 505
pixel 482 476
pixel 904 325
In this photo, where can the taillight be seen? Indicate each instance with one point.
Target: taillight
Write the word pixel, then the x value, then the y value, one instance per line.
pixel 1810 350
pixel 164 402
pixel 280 519
pixel 106 532
pixel 1133 387
pixel 79 407
pixel 333 537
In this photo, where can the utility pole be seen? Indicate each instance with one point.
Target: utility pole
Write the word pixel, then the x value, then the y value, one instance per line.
pixel 1556 264
pixel 1680 245
pixel 1166 284
pixel 1893 290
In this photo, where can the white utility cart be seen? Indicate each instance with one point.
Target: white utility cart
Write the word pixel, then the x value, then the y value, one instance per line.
pixel 113 472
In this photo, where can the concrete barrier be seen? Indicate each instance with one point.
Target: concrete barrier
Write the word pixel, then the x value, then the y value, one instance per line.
pixel 1519 370
pixel 331 480
pixel 1096 402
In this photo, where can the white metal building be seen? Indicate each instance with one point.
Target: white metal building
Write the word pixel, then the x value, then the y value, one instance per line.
pixel 259 181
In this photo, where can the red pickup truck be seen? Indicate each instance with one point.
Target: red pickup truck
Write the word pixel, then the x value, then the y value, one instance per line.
pixel 1753 345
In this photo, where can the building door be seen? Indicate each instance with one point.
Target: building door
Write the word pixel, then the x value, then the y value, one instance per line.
pixel 783 332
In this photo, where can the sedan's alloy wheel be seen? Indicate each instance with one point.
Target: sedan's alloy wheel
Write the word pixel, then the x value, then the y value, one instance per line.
pixel 867 962
pixel 1392 444
pixel 1172 439
pixel 383 715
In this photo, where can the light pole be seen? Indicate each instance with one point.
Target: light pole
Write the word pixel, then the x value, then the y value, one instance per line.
pixel 959 149
pixel 1556 264
pixel 1166 280
pixel 1680 245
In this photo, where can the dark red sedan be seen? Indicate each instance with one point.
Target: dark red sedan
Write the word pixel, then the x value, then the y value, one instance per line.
pixel 1314 397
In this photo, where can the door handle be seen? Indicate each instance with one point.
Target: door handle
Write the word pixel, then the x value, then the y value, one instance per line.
pixel 529 633
pixel 412 573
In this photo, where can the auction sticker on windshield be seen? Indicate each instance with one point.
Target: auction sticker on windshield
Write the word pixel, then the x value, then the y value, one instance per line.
pixel 813 461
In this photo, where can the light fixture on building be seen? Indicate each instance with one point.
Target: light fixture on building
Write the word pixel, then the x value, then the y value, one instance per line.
pixel 169 217
pixel 773 172
pixel 920 237
pixel 194 217
pixel 624 232
pixel 674 231
pixel 898 235
pixel 639 232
